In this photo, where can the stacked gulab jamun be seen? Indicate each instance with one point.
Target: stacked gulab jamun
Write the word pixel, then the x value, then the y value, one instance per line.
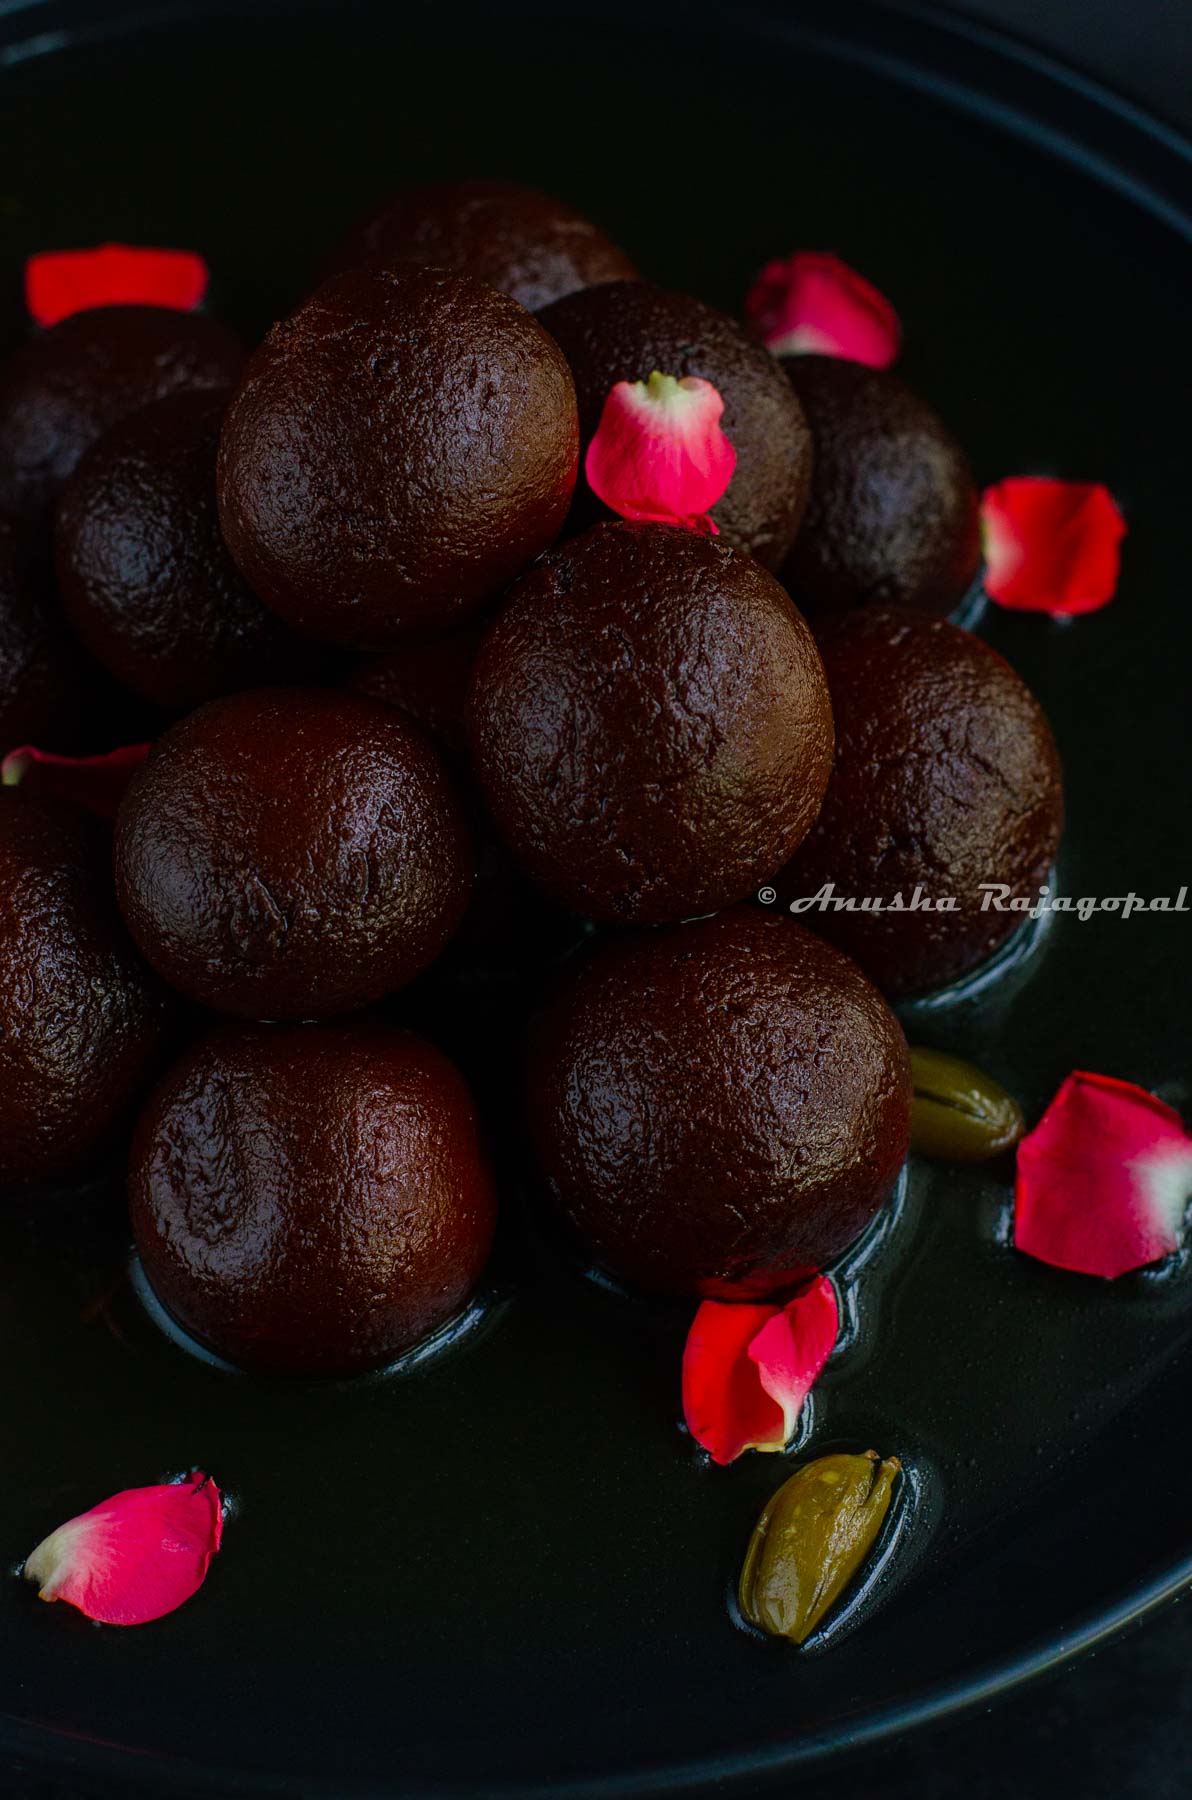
pixel 624 330
pixel 63 388
pixel 523 243
pixel 389 632
pixel 892 517
pixel 719 1108
pixel 143 571
pixel 946 785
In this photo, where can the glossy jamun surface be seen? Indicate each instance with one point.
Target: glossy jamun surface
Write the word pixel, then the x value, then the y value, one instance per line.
pixel 63 388
pixel 625 330
pixel 649 723
pixel 144 572
pixel 893 517
pixel 82 1018
pixel 400 448
pixel 720 1108
pixel 292 853
pixel 311 1200
pixel 946 779
pixel 43 675
pixel 524 243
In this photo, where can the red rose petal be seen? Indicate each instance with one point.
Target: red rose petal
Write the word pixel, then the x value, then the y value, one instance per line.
pixel 659 453
pixel 61 282
pixel 1051 546
pixel 95 782
pixel 1104 1179
pixel 724 1403
pixel 747 1369
pixel 791 1350
pixel 134 1557
pixel 811 303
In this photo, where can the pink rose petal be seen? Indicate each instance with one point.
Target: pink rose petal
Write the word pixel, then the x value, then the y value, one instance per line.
pixel 94 782
pixel 659 452
pixel 61 282
pixel 1051 546
pixel 134 1557
pixel 1104 1179
pixel 811 303
pixel 747 1369
pixel 791 1350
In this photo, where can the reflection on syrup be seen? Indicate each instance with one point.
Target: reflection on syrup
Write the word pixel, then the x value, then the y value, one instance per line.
pixel 906 1533
pixel 857 1274
pixel 477 1319
pixel 970 609
pixel 1006 971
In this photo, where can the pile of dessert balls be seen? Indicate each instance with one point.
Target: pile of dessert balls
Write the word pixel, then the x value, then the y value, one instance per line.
pixel 415 696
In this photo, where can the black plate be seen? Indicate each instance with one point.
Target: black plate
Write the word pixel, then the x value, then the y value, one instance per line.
pixel 508 1571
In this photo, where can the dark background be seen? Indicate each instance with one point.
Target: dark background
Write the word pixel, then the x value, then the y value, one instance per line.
pixel 1143 48
pixel 1116 1727
pixel 1118 1724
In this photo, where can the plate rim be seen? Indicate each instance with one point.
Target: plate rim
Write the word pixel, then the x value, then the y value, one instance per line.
pixel 1148 162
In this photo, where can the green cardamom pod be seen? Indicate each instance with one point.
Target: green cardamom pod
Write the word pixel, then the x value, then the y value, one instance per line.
pixel 811 1539
pixel 960 1114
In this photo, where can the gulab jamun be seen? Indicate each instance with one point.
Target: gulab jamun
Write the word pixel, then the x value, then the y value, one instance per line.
pixel 946 778
pixel 292 853
pixel 508 916
pixel 524 243
pixel 625 330
pixel 311 1200
pixel 399 449
pixel 649 723
pixel 82 1019
pixel 720 1108
pixel 893 517
pixel 43 676
pixel 428 681
pixel 64 387
pixel 144 572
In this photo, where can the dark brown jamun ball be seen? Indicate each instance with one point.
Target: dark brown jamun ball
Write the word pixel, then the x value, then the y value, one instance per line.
pixel 311 1200
pixel 43 676
pixel 720 1108
pixel 522 242
pixel 292 853
pixel 82 1020
pixel 398 450
pixel 144 572
pixel 66 386
pixel 427 681
pixel 650 724
pixel 625 330
pixel 946 777
pixel 893 518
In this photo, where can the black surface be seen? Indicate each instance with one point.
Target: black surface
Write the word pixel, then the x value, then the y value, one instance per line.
pixel 1142 51
pixel 1116 1727
pixel 511 1568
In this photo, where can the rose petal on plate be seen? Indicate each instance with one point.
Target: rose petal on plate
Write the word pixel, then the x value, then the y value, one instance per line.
pixel 134 1557
pixel 811 303
pixel 659 452
pixel 1051 546
pixel 793 1347
pixel 1104 1179
pixel 747 1368
pixel 94 782
pixel 61 282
